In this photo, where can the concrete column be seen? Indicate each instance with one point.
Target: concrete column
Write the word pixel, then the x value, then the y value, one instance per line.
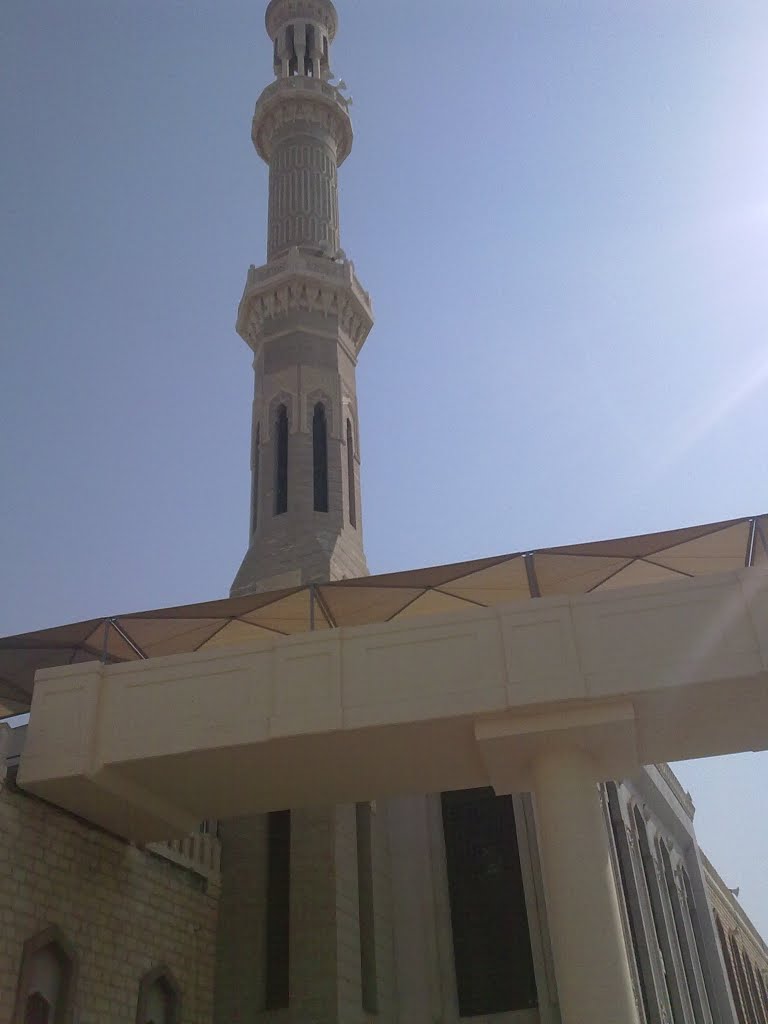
pixel 325 982
pixel 591 967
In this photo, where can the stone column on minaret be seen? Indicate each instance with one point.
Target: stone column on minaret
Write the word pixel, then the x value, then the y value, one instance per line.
pixel 306 317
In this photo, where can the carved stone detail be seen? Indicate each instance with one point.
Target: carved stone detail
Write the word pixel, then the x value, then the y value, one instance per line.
pixel 301 101
pixel 299 295
pixel 301 282
pixel 303 198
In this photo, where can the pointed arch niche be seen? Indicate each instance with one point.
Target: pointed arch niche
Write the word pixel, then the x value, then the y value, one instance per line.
pixel 47 979
pixel 159 998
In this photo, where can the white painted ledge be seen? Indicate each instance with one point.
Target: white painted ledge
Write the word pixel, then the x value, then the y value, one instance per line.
pixel 149 748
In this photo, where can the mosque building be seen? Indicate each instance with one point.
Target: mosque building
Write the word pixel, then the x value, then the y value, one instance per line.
pixel 335 798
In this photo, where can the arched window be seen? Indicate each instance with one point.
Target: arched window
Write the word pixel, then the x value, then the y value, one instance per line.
pixel 730 969
pixel 320 457
pixel 653 890
pixel 46 987
pixel 281 460
pixel 255 478
pixel 159 998
pixel 688 951
pixel 351 475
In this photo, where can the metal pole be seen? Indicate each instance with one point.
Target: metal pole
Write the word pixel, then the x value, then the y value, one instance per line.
pixel 749 558
pixel 105 643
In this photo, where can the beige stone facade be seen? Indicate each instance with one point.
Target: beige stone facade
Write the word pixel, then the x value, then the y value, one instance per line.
pixel 123 911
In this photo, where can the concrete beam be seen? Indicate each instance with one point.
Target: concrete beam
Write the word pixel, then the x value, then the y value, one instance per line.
pixel 651 673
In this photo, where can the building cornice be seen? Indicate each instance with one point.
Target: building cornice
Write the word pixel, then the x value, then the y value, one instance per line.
pixel 299 281
pixel 301 99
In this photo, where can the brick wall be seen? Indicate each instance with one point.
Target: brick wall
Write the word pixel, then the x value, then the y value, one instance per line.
pixel 123 910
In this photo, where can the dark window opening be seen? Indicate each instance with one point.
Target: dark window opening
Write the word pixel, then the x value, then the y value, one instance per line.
pixel 159 998
pixel 37 1010
pixel 278 909
pixel 693 917
pixel 281 460
pixel 759 1010
pixel 320 457
pixel 368 978
pixel 730 971
pixel 491 940
pixel 634 913
pixel 290 46
pixel 255 479
pixel 351 475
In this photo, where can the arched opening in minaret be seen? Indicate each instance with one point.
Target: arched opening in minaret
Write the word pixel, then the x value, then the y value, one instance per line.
pixel 281 460
pixel 320 457
pixel 255 481
pixel 352 505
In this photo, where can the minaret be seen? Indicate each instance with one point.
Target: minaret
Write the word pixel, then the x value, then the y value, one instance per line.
pixel 296 916
pixel 306 317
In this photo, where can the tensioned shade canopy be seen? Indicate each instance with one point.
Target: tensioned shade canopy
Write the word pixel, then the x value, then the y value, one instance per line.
pixel 237 621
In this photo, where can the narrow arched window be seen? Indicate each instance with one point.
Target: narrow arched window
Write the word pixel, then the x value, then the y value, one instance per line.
pixel 255 478
pixel 281 460
pixel 351 475
pixel 46 987
pixel 320 457
pixel 730 969
pixel 159 1001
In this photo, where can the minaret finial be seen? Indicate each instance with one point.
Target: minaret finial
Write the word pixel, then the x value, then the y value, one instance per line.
pixel 302 32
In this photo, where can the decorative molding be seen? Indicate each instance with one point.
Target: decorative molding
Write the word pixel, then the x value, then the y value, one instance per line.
pixel 303 198
pixel 309 283
pixel 299 100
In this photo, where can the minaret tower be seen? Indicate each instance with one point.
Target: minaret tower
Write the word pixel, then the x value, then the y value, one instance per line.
pixel 306 317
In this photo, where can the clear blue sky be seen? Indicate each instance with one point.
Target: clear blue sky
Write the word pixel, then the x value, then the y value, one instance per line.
pixel 560 210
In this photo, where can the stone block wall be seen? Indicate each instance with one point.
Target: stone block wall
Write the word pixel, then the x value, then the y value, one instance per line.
pixel 123 910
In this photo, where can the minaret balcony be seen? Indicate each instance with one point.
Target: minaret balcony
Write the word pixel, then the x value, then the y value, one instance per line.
pixel 302 281
pixel 299 98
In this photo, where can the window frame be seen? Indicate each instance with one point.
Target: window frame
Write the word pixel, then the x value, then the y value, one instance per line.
pixel 66 953
pixel 163 974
